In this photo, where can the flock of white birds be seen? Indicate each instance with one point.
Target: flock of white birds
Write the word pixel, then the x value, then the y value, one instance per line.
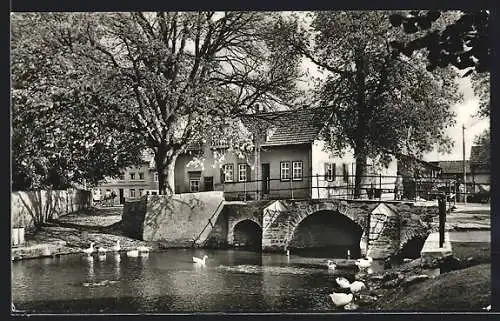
pixel 341 298
pixel 102 251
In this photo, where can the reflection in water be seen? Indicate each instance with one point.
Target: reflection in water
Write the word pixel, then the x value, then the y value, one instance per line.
pixel 117 265
pixel 169 281
pixel 90 273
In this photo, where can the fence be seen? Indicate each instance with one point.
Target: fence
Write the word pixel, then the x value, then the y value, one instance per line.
pixel 382 187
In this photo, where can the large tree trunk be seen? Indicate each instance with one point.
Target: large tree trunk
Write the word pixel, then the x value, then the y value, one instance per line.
pixel 360 147
pixel 360 172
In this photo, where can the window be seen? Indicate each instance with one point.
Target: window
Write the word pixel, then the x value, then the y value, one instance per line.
pixel 194 185
pixel 285 171
pixel 345 172
pixel 330 171
pixel 297 170
pixel 228 171
pixel 141 191
pixel 242 172
pixel 141 175
pixel 122 176
pixel 132 193
pixel 132 176
pixel 194 181
pixel 155 177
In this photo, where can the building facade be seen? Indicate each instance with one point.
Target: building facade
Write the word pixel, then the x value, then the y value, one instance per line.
pixel 294 163
pixel 134 182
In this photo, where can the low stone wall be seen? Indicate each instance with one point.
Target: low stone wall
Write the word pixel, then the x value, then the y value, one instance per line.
pixel 30 208
pixel 175 221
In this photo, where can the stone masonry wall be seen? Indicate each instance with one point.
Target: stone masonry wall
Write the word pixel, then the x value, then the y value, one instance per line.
pixel 40 206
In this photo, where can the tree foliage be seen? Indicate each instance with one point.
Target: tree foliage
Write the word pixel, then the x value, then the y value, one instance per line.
pixel 383 104
pixel 54 141
pixel 463 43
pixel 172 78
pixel 481 86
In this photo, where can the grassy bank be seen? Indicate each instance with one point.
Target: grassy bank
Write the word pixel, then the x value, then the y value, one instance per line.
pixel 463 290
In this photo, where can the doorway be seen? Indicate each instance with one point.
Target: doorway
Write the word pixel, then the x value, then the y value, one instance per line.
pixel 208 183
pixel 122 197
pixel 265 179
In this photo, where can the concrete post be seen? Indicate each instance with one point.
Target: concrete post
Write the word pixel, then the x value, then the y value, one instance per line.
pixel 442 218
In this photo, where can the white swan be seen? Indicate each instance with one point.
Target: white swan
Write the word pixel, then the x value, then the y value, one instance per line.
pixel 331 265
pixel 343 282
pixel 364 263
pixel 357 286
pixel 200 261
pixel 101 250
pixel 143 249
pixel 341 299
pixel 116 247
pixel 90 250
pixel 133 253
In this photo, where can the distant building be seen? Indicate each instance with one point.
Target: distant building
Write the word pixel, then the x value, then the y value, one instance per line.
pixel 480 166
pixel 134 182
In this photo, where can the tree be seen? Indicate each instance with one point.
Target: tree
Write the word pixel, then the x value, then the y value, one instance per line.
pixel 481 86
pixel 463 43
pixel 484 140
pixel 169 77
pixel 382 104
pixel 53 142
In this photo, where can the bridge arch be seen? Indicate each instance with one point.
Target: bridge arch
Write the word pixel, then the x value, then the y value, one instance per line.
pixel 326 229
pixel 247 233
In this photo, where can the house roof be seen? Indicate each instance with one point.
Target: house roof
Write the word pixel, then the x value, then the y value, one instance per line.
pixel 401 156
pixel 293 127
pixel 453 167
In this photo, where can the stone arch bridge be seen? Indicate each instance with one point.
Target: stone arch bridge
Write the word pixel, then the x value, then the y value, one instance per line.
pixel 392 224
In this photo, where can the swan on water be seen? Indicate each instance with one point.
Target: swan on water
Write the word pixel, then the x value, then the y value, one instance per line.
pixel 143 249
pixel 133 253
pixel 364 263
pixel 341 299
pixel 331 265
pixel 90 250
pixel 343 282
pixel 200 261
pixel 116 247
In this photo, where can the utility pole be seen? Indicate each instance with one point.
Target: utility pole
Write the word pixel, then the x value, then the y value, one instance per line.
pixel 463 155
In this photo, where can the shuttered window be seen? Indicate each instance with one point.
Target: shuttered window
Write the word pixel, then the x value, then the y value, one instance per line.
pixel 330 172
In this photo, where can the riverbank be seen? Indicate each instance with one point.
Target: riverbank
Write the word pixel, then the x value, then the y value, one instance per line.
pixel 74 232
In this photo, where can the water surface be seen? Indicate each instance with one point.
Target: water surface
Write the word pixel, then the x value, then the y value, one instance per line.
pixel 168 281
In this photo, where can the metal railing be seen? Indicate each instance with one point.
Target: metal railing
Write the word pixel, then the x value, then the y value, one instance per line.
pixel 209 222
pixel 372 187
